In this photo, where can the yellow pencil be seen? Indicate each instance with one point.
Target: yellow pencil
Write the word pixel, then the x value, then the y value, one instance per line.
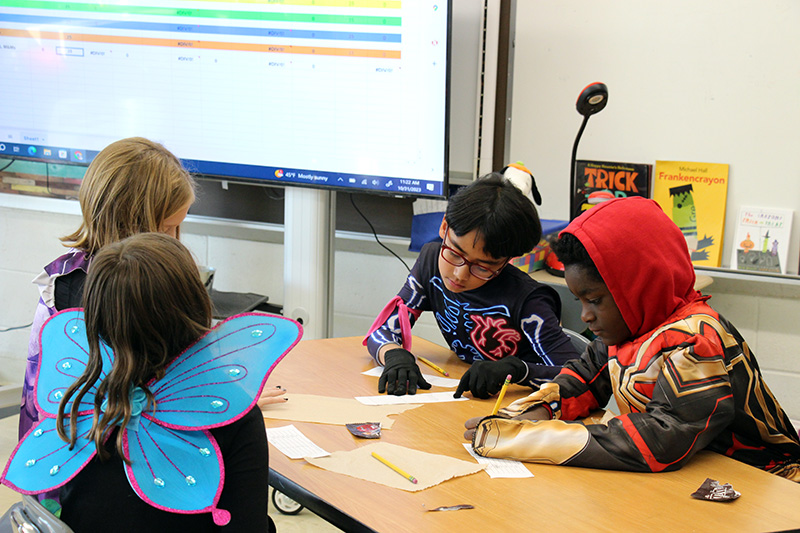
pixel 406 475
pixel 433 366
pixel 502 393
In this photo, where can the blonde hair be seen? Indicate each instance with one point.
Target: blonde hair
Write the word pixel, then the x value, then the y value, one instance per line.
pixel 144 298
pixel 131 187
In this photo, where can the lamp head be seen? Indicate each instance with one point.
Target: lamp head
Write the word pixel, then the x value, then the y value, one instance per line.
pixel 592 99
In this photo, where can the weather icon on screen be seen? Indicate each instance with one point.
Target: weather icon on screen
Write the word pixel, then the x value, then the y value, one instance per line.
pixel 279 173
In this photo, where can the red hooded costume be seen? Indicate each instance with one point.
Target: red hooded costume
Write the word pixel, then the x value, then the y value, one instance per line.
pixel 685 381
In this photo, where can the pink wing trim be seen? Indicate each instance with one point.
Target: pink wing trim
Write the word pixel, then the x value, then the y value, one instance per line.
pixel 402 316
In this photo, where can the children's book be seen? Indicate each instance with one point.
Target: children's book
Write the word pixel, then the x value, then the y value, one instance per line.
pixel 694 195
pixel 761 241
pixel 598 181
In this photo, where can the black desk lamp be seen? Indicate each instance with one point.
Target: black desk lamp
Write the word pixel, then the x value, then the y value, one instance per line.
pixel 591 100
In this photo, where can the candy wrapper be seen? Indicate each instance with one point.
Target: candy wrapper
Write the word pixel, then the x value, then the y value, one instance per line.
pixel 365 430
pixel 711 489
pixel 453 507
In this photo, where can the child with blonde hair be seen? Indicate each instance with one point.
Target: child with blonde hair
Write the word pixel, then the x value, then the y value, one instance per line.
pixel 133 186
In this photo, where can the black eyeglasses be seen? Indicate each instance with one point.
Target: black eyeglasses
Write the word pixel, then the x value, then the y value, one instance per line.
pixel 456 259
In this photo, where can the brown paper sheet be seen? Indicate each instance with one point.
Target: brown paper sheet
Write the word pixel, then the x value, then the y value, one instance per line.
pixel 429 469
pixel 329 410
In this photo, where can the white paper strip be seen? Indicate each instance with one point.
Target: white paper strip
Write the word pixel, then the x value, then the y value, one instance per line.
pixel 427 397
pixel 500 467
pixel 293 444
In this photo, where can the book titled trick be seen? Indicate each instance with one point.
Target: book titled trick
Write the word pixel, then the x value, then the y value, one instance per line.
pixel 598 181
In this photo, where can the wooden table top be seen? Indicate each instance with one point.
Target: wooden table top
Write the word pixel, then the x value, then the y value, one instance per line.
pixel 571 499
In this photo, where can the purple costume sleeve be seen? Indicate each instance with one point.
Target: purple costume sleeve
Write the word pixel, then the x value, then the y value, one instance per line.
pixel 28 413
pixel 69 262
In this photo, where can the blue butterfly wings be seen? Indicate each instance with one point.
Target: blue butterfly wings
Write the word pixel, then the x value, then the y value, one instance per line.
pixel 64 339
pixel 175 462
pixel 173 469
pixel 217 379
pixel 42 459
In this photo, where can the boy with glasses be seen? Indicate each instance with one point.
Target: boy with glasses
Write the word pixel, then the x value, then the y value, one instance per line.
pixel 492 315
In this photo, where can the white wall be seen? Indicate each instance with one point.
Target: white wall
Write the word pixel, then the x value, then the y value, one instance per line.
pixel 713 81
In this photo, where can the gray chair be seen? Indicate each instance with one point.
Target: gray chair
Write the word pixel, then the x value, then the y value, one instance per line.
pixel 579 342
pixel 29 516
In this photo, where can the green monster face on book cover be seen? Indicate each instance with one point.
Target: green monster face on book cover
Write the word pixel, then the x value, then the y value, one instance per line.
pixel 694 195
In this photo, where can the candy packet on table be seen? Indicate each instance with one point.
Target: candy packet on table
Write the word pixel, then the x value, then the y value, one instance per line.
pixel 713 490
pixel 365 430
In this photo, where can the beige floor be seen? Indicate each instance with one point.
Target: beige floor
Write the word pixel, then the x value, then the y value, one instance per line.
pixel 302 522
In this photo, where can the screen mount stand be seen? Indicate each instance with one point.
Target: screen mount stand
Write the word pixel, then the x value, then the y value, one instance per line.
pixel 308 248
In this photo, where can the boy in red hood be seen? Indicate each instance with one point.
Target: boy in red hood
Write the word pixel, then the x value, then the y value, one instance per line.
pixel 683 377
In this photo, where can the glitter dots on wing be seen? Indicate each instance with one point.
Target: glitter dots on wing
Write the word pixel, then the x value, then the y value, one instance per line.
pixel 256 333
pixel 66 365
pixel 205 452
pixel 54 470
pixel 158 482
pixel 234 372
pixel 30 462
pixel 191 481
pixel 216 404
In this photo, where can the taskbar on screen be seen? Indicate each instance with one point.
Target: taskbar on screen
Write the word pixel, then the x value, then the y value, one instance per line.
pixel 48 154
pixel 317 178
pixel 246 173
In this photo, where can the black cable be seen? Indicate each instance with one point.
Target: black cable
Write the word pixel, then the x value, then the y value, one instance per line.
pixel 8 165
pixel 47 174
pixel 16 327
pixel 352 201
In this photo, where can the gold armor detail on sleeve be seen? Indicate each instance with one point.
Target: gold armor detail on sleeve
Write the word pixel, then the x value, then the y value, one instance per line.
pixel 536 441
pixel 547 393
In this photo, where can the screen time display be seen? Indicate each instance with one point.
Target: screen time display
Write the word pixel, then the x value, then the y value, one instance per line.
pixel 325 93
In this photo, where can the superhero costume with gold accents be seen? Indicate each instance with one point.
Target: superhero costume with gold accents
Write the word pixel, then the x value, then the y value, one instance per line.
pixel 683 383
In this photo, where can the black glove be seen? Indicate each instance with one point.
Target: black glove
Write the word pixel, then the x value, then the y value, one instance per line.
pixel 486 378
pixel 400 372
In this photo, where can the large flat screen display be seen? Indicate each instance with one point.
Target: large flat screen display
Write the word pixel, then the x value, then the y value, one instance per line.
pixel 324 93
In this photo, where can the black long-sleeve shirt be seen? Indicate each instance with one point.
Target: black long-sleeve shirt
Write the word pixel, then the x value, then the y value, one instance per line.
pixel 100 498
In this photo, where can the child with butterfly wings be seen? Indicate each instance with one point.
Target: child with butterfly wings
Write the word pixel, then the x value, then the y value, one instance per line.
pixel 149 418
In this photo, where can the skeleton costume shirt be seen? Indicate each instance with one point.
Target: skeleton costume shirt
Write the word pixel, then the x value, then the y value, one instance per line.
pixel 684 381
pixel 510 315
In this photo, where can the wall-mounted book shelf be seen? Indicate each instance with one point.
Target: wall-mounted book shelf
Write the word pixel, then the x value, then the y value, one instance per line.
pixel 750 276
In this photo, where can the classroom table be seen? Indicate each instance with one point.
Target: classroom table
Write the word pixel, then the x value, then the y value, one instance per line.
pixel 558 497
